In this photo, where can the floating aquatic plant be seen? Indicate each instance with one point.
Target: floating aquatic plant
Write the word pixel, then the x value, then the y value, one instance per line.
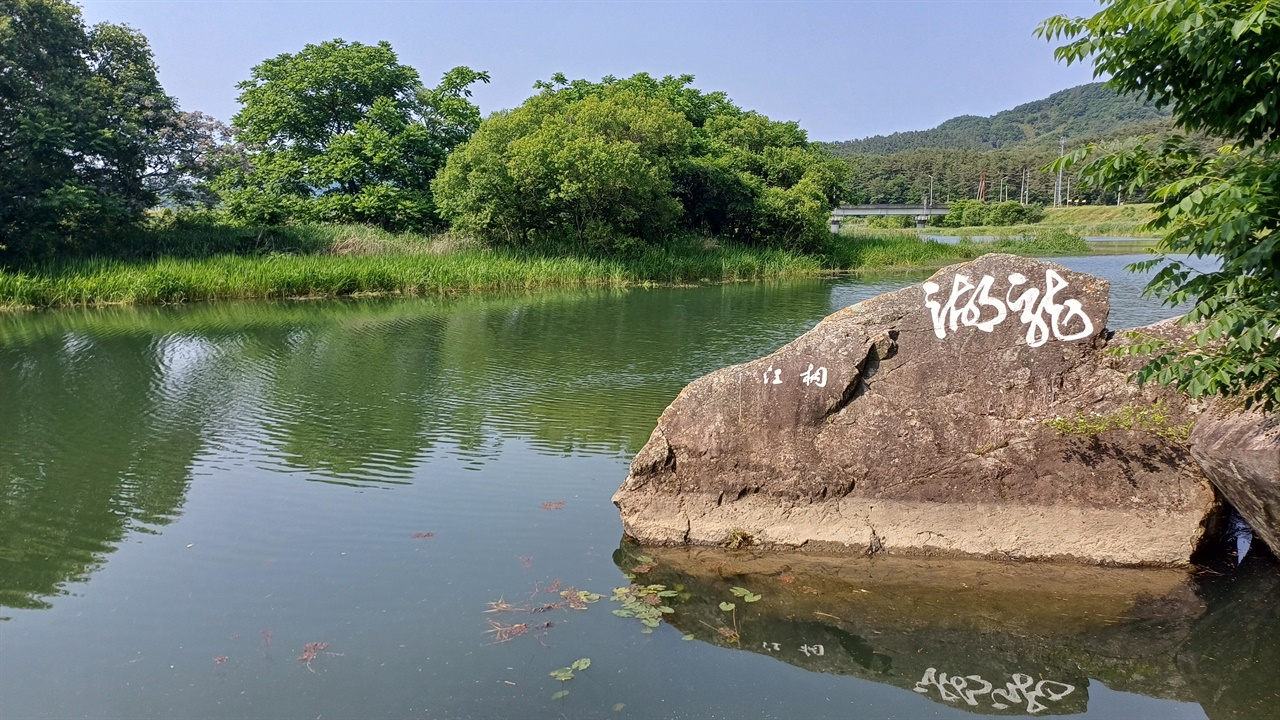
pixel 643 602
pixel 312 650
pixel 576 599
pixel 565 674
pixel 503 633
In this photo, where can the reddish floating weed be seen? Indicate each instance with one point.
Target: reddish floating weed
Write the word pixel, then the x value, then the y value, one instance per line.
pixel 501 605
pixel 423 535
pixel 503 633
pixel 312 650
pixel 220 659
pixel 553 505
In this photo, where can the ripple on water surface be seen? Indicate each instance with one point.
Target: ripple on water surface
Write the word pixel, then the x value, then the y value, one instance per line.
pixel 237 480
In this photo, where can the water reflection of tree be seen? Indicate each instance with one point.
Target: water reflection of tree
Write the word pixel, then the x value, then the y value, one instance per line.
pixel 103 413
pixel 367 394
pixel 95 441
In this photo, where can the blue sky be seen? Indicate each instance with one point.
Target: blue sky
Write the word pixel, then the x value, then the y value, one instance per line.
pixel 842 69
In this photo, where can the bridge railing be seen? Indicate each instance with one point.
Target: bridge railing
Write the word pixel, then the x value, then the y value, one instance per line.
pixel 885 209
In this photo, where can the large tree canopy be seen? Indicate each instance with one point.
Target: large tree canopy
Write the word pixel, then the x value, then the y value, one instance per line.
pixel 1216 63
pixel 343 132
pixel 81 114
pixel 620 162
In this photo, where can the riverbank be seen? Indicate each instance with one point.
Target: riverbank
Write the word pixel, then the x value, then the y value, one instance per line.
pixel 1085 220
pixel 332 261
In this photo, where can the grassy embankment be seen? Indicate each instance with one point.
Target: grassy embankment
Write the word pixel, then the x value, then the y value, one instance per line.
pixel 213 263
pixel 1083 220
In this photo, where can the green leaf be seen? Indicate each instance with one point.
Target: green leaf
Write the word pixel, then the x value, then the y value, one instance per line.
pixel 727 606
pixel 618 707
pixel 559 694
pixel 687 636
pixel 581 664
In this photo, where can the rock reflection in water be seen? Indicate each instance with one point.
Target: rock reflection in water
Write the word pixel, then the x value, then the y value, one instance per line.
pixel 992 638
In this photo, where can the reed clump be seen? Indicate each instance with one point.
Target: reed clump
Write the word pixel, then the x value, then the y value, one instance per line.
pixel 187 264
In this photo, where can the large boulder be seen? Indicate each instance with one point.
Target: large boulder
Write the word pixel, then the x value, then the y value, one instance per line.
pixel 1240 452
pixel 974 414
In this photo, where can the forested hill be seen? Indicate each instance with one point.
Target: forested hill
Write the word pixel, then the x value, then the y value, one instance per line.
pixel 1085 110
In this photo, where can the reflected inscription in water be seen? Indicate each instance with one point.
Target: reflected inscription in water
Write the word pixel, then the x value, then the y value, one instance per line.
pixel 991 638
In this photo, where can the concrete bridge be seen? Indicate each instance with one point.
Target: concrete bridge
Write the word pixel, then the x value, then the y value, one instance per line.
pixel 921 212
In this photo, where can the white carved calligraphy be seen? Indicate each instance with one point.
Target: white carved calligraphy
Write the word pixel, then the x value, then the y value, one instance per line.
pixel 812 376
pixel 969 688
pixel 1044 315
pixel 816 377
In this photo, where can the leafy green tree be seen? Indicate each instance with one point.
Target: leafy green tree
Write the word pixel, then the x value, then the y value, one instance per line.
pixel 620 162
pixel 81 112
pixel 598 170
pixel 343 132
pixel 1216 63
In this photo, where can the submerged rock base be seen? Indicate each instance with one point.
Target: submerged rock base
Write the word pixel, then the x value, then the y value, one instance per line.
pixel 1121 536
pixel 975 414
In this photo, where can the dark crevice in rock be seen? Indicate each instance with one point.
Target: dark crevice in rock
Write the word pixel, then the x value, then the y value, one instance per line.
pixel 876 545
pixel 882 348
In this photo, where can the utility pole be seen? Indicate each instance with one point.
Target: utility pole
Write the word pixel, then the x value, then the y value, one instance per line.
pixel 1057 190
pixel 930 203
pixel 1022 191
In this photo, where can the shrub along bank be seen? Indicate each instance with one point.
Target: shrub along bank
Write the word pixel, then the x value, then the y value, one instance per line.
pixel 324 261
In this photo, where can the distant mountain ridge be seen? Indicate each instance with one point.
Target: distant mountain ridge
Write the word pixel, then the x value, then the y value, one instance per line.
pixel 1084 110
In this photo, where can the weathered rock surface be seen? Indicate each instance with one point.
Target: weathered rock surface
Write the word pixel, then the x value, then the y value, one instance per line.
pixel 1240 452
pixel 915 423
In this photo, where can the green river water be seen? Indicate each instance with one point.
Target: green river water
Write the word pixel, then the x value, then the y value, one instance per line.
pixel 191 498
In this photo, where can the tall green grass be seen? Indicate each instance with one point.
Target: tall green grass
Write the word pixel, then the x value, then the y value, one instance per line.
pixel 867 250
pixel 326 261
pixel 1084 220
